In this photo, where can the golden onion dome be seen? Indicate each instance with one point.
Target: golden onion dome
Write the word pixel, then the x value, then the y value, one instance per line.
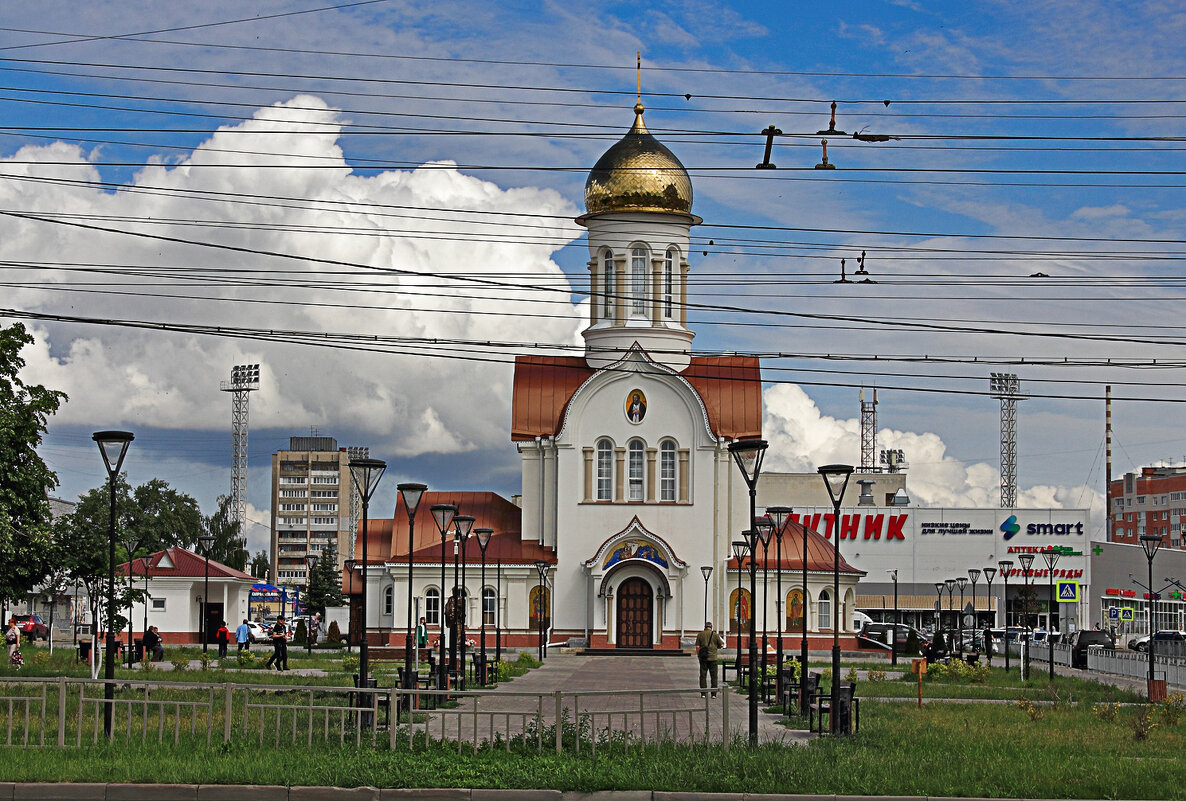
pixel 638 173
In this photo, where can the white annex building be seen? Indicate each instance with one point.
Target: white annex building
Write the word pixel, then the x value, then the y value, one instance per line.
pixel 628 487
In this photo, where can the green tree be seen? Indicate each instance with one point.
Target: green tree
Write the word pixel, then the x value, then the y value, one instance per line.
pixel 163 517
pixel 325 582
pixel 260 564
pixel 229 546
pixel 81 539
pixel 25 480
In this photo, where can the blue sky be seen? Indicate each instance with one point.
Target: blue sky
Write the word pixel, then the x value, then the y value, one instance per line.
pixel 1029 208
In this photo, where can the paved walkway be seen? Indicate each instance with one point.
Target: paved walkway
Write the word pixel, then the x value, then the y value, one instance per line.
pixel 647 697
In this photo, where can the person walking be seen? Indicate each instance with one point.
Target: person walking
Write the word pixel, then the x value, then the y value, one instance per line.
pixel 243 636
pixel 708 644
pixel 222 637
pixel 314 628
pixel 988 645
pixel 279 656
pixel 12 638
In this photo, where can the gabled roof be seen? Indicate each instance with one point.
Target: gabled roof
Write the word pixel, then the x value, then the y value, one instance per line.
pixel 179 562
pixel 730 386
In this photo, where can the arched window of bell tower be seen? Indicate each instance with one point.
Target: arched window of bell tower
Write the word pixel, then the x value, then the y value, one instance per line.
pixel 607 284
pixel 669 264
pixel 639 276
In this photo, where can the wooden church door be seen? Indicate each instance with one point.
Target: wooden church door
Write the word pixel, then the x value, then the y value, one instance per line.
pixel 635 613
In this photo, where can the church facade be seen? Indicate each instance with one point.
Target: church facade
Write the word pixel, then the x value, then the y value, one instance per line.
pixel 629 492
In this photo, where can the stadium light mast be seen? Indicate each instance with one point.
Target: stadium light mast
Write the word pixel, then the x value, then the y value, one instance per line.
pixel 1007 388
pixel 244 380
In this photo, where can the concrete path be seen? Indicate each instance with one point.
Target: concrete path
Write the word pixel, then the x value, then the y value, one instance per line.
pixel 609 692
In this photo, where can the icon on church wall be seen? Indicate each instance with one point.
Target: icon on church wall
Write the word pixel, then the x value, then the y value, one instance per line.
pixel 795 609
pixel 636 406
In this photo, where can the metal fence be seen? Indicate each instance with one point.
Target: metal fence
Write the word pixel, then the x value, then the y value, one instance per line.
pixel 1132 663
pixel 62 712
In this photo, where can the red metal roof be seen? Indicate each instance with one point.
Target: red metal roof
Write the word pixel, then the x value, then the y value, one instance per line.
pixel 185 563
pixel 730 386
pixel 819 552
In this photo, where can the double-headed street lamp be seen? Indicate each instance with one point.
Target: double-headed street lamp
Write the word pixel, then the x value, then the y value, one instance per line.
pixel 779 516
pixel 114 446
pixel 483 535
pixel 706 571
pixel 541 606
pixel 1150 543
pixel 740 549
pixel 366 474
pixel 989 572
pixel 132 547
pixel 974 575
pixel 205 543
pixel 443 514
pixel 836 480
pixel 1026 560
pixel 1006 566
pixel 1050 557
pixel 310 563
pixel 748 454
pixel 765 529
pixel 961 582
pixel 348 566
pixel 411 493
pixel 462 526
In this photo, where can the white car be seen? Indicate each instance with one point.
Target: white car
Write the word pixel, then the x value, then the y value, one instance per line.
pixel 257 632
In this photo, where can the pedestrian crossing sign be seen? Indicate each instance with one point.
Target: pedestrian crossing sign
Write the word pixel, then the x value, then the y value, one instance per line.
pixel 1068 592
pixel 1126 614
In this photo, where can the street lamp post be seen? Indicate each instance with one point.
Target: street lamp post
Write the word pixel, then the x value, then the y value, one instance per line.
pixel 765 528
pixel 950 584
pixel 541 606
pixel 113 445
pixel 939 585
pixel 411 493
pixel 836 480
pixel 147 560
pixel 974 575
pixel 1026 560
pixel 366 474
pixel 740 549
pixel 706 571
pixel 349 564
pixel 498 611
pixel 748 455
pixel 779 516
pixel 443 514
pixel 961 582
pixel 1006 566
pixel 462 525
pixel 132 547
pixel 894 636
pixel 310 563
pixel 1050 557
pixel 483 535
pixel 1150 543
pixel 205 542
pixel 989 572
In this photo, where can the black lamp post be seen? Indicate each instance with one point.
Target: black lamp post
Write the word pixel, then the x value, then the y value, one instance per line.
pixel 939 585
pixel 950 583
pixel 443 514
pixel 1150 543
pixel 778 516
pixel 1026 560
pixel 1006 566
pixel 989 572
pixel 748 454
pixel 462 526
pixel 974 575
pixel 706 571
pixel 205 542
pixel 498 611
pixel 310 563
pixel 366 474
pixel 765 528
pixel 894 636
pixel 113 445
pixel 349 564
pixel 961 582
pixel 483 535
pixel 411 493
pixel 147 561
pixel 836 480
pixel 740 549
pixel 541 605
pixel 132 547
pixel 1050 557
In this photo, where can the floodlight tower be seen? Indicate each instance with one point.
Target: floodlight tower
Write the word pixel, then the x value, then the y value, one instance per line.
pixel 868 431
pixel 244 379
pixel 356 452
pixel 1007 388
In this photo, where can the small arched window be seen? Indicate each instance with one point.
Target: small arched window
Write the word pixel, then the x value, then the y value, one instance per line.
pixel 605 470
pixel 608 289
pixel 635 462
pixel 432 607
pixel 638 281
pixel 825 610
pixel 389 600
pixel 668 465
pixel 489 605
pixel 668 283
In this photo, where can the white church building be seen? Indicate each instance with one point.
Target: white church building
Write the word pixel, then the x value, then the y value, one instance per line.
pixel 628 486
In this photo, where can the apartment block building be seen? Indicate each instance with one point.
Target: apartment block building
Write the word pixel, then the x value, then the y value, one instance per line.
pixel 313 505
pixel 1150 502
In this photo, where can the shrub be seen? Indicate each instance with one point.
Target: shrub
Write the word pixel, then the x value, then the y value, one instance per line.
pixel 1143 723
pixel 333 633
pixel 247 659
pixel 350 663
pixel 1171 708
pixel 1107 712
pixel 874 675
pixel 851 675
pixel 1035 711
pixel 301 634
pixel 913 647
pixel 180 664
pixel 205 659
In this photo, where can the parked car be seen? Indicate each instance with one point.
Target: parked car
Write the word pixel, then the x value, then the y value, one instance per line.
pixel 1082 639
pixel 257 633
pixel 32 626
pixel 1139 643
pixel 875 636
